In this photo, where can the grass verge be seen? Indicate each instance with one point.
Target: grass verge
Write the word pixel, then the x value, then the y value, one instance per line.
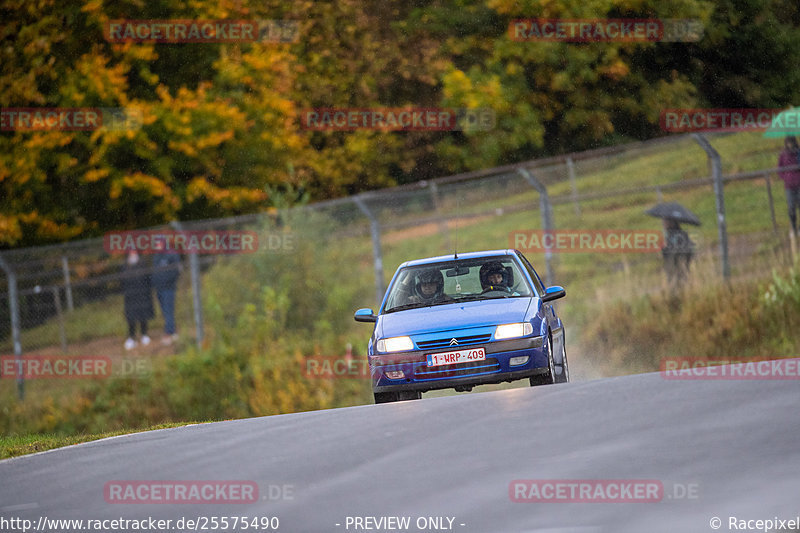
pixel 25 444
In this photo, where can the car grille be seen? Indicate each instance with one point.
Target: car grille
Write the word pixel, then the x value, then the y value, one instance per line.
pixel 445 343
pixel 461 369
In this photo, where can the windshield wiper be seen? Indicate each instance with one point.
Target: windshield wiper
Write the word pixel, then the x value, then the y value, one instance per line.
pixel 403 307
pixel 474 297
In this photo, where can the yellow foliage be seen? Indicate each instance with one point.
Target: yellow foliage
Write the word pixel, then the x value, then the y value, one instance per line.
pixel 95 174
pixel 229 198
pixel 616 71
pixel 140 182
pixel 10 231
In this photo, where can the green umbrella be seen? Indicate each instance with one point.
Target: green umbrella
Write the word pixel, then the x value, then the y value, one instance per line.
pixel 785 123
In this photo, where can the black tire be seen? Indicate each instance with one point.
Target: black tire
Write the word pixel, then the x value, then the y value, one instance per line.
pixel 409 395
pixel 385 397
pixel 563 376
pixel 548 378
pixel 388 397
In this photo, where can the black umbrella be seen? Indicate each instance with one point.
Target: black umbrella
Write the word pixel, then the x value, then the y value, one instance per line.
pixel 674 211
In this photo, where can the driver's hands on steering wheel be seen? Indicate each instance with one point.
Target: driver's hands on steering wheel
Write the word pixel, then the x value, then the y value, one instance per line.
pixel 496 288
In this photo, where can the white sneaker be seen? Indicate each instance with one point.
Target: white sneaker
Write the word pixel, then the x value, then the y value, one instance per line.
pixel 130 344
pixel 145 340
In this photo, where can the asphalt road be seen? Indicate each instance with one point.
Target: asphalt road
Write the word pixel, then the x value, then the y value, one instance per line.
pixel 717 448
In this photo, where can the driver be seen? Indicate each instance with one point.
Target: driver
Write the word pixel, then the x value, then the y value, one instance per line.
pixel 494 277
pixel 429 286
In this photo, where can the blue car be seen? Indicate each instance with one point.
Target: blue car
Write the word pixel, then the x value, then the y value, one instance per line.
pixel 463 320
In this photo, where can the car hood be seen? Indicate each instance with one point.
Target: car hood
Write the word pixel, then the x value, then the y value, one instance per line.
pixel 453 316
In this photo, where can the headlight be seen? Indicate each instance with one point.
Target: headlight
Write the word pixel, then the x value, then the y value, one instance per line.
pixel 510 331
pixel 395 344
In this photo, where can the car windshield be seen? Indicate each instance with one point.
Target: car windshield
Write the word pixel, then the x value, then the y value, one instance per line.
pixel 486 278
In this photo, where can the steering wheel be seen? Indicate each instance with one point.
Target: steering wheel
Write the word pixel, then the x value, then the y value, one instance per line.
pixel 496 288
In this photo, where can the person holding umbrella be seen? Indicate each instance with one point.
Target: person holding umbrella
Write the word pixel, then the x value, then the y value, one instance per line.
pixel 790 155
pixel 678 249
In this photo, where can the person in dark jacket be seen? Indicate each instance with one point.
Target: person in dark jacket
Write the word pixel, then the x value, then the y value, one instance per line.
pixel 678 252
pixel 166 269
pixel 138 297
pixel 791 178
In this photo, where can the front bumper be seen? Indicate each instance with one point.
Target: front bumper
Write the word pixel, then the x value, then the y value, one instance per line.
pixel 495 369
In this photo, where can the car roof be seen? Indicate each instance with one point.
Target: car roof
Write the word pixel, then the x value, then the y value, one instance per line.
pixel 449 257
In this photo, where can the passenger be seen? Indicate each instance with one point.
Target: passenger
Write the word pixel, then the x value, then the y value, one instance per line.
pixel 429 287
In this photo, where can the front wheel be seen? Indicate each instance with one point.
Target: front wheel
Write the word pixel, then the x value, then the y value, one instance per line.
pixel 548 378
pixel 388 397
pixel 562 369
pixel 385 397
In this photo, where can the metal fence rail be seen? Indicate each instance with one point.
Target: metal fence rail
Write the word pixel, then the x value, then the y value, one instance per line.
pixel 47 286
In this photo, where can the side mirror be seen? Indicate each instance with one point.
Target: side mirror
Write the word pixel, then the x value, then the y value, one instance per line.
pixel 553 293
pixel 365 315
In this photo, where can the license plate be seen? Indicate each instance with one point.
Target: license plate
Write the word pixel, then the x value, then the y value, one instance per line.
pixel 458 356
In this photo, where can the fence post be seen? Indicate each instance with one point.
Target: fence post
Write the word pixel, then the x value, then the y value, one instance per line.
pixel 197 302
pixel 443 229
pixel 375 231
pixel 67 283
pixel 771 205
pixel 573 186
pixel 547 217
pixel 716 173
pixel 13 304
pixel 62 332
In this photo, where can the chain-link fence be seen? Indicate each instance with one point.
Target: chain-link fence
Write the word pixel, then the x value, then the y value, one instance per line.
pixel 68 295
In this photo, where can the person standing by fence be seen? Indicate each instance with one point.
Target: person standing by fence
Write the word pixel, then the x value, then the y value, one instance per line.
pixel 678 252
pixel 790 155
pixel 166 269
pixel 138 298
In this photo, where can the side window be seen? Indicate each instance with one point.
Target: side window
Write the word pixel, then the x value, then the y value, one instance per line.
pixel 537 282
pixel 518 282
pixel 401 290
